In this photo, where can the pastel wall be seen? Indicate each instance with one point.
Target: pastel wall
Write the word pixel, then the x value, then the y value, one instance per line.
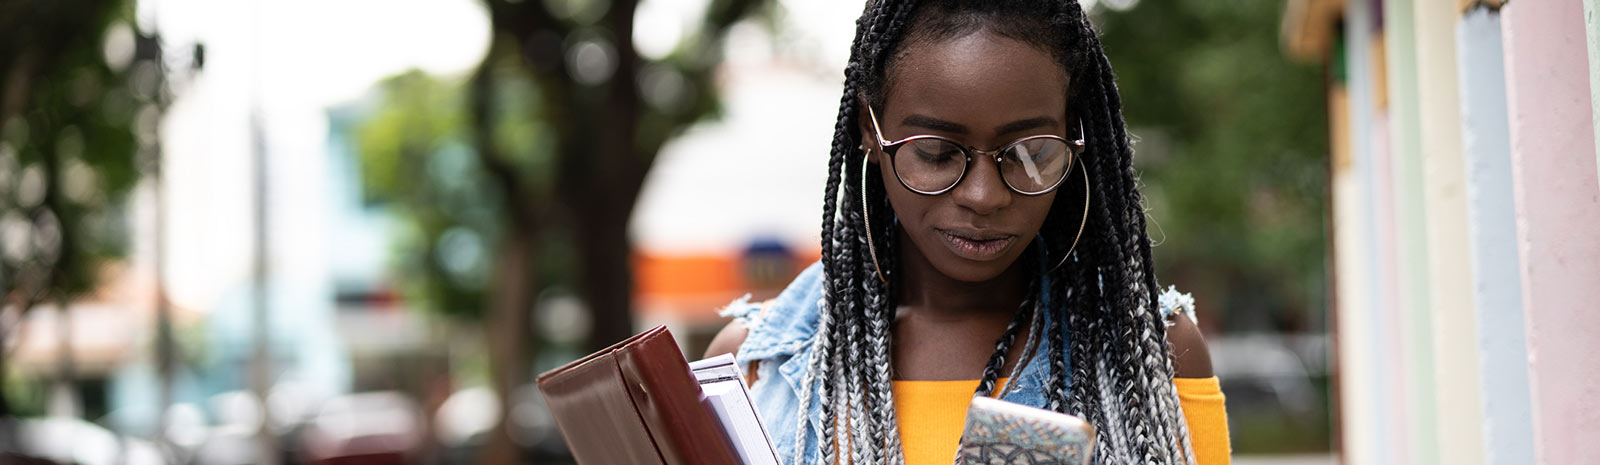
pixel 1496 288
pixel 1410 228
pixel 1557 198
pixel 1592 26
pixel 1467 231
pixel 1362 426
pixel 1458 412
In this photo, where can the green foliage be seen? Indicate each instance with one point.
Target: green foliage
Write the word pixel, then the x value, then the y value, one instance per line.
pixel 25 397
pixel 1233 155
pixel 417 115
pixel 81 98
pixel 72 132
pixel 415 156
pixel 527 149
pixel 518 133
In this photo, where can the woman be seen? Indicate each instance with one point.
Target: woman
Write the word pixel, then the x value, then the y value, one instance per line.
pixel 989 240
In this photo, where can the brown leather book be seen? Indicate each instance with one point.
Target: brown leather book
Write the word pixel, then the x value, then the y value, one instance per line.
pixel 636 403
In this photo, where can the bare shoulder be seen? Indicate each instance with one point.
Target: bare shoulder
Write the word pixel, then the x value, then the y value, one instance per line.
pixel 1190 357
pixel 727 340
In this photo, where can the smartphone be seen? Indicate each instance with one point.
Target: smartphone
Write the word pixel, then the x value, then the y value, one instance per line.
pixel 1000 432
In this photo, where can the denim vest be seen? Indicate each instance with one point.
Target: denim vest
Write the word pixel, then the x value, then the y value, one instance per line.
pixel 780 339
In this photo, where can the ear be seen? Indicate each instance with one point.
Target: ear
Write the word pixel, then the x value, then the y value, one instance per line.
pixel 869 143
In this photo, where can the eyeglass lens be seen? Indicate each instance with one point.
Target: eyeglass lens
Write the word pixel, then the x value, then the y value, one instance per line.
pixel 1029 166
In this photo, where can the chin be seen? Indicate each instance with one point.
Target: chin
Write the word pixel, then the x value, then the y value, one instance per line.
pixel 973 271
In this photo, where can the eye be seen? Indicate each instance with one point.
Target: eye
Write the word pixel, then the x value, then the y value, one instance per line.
pixel 1036 151
pixel 934 157
pixel 1018 153
pixel 935 152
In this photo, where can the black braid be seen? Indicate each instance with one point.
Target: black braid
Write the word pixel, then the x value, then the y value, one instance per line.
pixel 1057 392
pixel 1002 346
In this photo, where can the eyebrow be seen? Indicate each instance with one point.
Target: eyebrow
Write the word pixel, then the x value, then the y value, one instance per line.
pixel 929 122
pixel 1026 124
pixel 936 124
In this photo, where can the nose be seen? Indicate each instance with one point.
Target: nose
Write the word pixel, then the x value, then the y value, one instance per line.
pixel 982 191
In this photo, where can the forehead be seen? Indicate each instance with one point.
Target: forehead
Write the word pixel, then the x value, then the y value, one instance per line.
pixel 980 79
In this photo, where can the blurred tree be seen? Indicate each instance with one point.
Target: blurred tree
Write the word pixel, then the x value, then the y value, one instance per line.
pixel 1232 146
pixel 1234 152
pixel 80 101
pixel 527 177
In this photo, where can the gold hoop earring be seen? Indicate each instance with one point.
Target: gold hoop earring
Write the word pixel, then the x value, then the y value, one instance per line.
pixel 865 215
pixel 1084 169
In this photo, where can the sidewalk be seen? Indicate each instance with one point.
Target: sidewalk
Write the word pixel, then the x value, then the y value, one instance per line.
pixel 1328 459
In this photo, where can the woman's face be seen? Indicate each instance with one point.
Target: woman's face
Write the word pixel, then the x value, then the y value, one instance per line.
pixel 984 91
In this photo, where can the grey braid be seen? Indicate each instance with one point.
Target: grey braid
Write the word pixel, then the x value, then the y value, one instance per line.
pixel 881 305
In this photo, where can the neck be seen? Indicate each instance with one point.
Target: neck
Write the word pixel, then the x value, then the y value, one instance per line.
pixel 924 289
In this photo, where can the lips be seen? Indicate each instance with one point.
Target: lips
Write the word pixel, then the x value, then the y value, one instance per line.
pixel 974 245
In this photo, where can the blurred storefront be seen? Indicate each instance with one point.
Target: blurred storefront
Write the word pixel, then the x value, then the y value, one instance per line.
pixel 734 207
pixel 1465 204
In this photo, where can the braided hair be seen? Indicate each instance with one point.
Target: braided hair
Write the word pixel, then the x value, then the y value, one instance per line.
pixel 1118 374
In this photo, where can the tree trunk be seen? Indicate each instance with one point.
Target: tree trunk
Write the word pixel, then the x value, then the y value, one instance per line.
pixel 609 188
pixel 511 300
pixel 5 405
pixel 514 287
pixel 607 284
pixel 66 365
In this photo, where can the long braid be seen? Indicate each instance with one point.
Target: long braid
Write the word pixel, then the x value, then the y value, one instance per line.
pixel 1002 346
pixel 1082 313
pixel 1108 135
pixel 884 429
pixel 1035 334
pixel 1057 390
pixel 822 348
pixel 831 440
pixel 1155 345
pixel 855 299
pixel 844 274
pixel 881 305
pixel 855 395
pixel 1121 363
pixel 1153 371
pixel 850 379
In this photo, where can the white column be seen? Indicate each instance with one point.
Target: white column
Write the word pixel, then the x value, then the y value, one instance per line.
pixel 1458 411
pixel 1367 406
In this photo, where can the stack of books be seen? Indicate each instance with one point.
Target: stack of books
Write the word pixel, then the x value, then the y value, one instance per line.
pixel 640 402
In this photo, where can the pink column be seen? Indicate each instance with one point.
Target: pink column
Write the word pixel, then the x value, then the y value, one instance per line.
pixel 1558 222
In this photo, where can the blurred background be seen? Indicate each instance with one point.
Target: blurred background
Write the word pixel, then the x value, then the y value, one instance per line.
pixel 352 231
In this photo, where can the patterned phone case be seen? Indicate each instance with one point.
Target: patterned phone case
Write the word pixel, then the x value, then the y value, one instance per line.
pixel 1000 432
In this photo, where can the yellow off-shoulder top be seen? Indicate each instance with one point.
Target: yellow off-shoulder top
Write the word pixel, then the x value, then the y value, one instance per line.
pixel 932 414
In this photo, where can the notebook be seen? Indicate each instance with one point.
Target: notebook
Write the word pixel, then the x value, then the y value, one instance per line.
pixel 1000 432
pixel 636 402
pixel 722 382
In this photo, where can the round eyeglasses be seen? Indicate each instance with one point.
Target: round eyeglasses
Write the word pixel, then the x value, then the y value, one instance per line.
pixel 1032 165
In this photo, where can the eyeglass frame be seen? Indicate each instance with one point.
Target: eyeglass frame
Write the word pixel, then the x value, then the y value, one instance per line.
pixel 1074 147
